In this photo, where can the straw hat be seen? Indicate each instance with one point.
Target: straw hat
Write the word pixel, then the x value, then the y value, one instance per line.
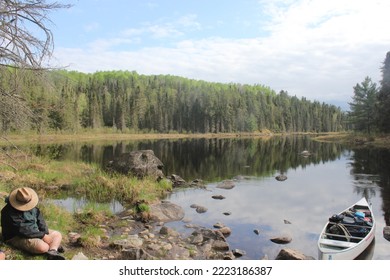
pixel 23 199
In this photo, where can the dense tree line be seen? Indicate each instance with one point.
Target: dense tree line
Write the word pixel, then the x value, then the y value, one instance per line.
pixel 131 102
pixel 370 106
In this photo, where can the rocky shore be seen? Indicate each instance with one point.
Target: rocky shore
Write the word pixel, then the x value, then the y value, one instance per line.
pixel 133 236
pixel 145 235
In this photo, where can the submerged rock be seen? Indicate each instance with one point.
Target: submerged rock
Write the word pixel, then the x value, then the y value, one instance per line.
pixel 218 225
pixel 281 177
pixel 226 184
pixel 220 197
pixel 201 209
pixel 281 239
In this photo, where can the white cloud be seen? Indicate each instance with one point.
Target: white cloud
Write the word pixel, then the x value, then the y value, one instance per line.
pixel 91 26
pixel 317 49
pixel 189 21
pixel 164 30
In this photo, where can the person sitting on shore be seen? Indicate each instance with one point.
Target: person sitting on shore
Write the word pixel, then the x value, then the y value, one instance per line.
pixel 2 255
pixel 24 227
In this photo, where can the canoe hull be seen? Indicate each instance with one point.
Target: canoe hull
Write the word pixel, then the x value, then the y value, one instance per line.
pixel 330 249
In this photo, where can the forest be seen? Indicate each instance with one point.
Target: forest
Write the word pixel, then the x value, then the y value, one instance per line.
pixel 45 100
pixel 125 101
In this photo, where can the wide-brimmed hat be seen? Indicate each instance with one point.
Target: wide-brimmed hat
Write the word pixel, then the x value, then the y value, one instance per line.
pixel 23 199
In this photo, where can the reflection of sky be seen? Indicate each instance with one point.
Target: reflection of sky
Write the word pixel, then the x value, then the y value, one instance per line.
pixel 73 204
pixel 307 198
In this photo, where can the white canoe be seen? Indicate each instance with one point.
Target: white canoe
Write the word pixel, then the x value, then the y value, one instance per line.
pixel 347 234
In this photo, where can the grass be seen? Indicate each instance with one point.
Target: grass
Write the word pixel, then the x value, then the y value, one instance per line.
pixel 80 180
pixel 357 139
pixel 58 179
pixel 109 135
pixel 57 217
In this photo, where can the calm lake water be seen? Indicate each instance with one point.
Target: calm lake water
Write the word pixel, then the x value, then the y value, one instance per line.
pixel 328 181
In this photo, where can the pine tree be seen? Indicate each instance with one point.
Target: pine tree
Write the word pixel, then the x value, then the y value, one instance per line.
pixel 384 96
pixel 363 114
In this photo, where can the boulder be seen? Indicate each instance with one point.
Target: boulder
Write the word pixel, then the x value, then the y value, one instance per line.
pixel 196 238
pixel 198 183
pixel 165 212
pixel 226 184
pixel 131 241
pixel 228 256
pixel 238 253
pixel 177 181
pixel 132 254
pixel 226 231
pixel 74 238
pixel 290 254
pixel 219 245
pixel 142 163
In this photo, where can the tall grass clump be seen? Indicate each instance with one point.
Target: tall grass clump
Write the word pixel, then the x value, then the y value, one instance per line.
pixel 57 217
pixel 101 186
pixel 51 178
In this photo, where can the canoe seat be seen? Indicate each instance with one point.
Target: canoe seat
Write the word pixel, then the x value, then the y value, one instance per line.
pixel 336 243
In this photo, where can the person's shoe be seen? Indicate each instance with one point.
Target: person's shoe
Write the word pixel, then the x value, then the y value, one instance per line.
pixel 61 249
pixel 54 255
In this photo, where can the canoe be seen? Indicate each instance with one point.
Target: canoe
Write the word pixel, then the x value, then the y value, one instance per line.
pixel 347 234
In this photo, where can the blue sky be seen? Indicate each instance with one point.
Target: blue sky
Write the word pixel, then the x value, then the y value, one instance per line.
pixel 312 48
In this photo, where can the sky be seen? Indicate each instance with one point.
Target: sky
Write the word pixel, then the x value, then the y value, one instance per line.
pixel 317 49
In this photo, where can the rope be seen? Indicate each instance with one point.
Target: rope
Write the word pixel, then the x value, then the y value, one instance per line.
pixel 346 232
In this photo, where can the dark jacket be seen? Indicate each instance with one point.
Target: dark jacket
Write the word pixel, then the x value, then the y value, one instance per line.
pixel 27 224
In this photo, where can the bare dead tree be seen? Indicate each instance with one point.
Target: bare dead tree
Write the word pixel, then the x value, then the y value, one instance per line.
pixel 25 38
pixel 26 43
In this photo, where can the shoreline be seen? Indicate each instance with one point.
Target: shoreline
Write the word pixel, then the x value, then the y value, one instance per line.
pixel 92 136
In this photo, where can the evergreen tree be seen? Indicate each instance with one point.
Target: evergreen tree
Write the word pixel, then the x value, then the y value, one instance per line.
pixel 363 114
pixel 384 96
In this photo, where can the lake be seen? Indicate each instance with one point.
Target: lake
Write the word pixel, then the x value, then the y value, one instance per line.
pixel 333 177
